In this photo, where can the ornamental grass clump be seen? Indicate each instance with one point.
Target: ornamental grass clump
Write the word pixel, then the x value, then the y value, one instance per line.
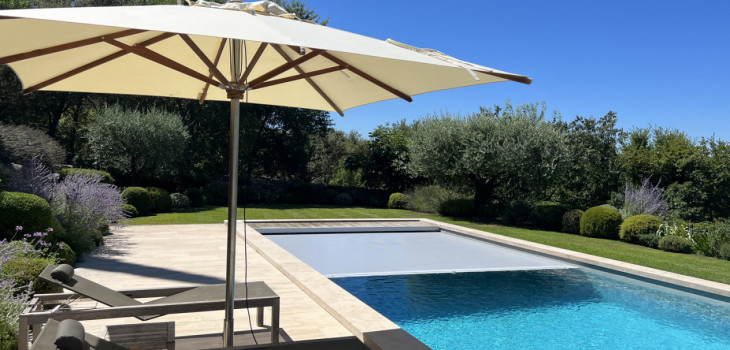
pixel 644 199
pixel 85 205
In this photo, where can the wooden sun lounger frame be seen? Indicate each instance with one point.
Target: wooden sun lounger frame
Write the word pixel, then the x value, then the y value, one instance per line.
pixel 35 316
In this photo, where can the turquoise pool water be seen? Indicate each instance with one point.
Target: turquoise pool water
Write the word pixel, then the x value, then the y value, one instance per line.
pixel 544 309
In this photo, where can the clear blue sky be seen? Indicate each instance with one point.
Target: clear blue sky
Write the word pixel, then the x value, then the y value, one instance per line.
pixel 656 63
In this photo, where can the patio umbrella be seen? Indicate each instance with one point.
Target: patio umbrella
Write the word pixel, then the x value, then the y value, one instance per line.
pixel 255 51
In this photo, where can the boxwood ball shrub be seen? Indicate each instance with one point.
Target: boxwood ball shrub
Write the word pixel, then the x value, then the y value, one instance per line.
pixel 725 251
pixel 637 226
pixel 31 212
pixel 676 244
pixel 397 200
pixel 571 221
pixel 600 221
pixel 26 270
pixel 65 254
pixel 180 200
pixel 105 176
pixel 548 215
pixel 460 208
pixel 160 199
pixel 139 198
pixel 130 210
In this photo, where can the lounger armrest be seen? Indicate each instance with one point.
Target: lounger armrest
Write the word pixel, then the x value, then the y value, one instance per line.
pixel 140 310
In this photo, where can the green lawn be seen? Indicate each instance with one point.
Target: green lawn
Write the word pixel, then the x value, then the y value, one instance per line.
pixel 691 265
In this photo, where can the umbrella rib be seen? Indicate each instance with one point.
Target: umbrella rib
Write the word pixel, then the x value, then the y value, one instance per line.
pixel 98 62
pixel 513 77
pixel 286 66
pixel 252 64
pixel 367 77
pixel 204 94
pixel 157 58
pixel 309 80
pixel 66 46
pixel 213 69
pixel 297 77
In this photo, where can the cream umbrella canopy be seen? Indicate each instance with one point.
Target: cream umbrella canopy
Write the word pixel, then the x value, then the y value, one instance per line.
pixel 251 50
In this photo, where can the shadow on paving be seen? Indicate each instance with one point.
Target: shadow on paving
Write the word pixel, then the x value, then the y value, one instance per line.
pixel 101 263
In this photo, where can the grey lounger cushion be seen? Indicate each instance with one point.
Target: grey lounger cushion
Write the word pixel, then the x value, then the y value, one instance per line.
pixel 70 335
pixel 63 273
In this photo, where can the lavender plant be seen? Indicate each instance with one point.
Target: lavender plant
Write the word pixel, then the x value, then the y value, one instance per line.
pixel 13 298
pixel 32 177
pixel 84 205
pixel 644 199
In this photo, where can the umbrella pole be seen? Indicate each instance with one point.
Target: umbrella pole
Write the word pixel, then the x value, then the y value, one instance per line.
pixel 235 97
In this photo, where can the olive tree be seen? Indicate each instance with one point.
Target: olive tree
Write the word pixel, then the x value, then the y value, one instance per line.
pixel 136 146
pixel 503 154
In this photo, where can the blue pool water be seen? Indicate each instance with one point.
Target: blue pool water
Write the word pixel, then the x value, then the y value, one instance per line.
pixel 544 309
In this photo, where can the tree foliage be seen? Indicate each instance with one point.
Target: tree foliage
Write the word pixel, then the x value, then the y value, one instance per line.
pixel 502 154
pixel 384 162
pixel 592 171
pixel 137 146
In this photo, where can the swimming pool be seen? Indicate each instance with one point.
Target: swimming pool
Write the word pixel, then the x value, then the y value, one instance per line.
pixel 559 308
pixel 367 252
pixel 544 309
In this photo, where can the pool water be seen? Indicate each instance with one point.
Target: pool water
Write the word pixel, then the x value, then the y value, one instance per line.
pixel 544 309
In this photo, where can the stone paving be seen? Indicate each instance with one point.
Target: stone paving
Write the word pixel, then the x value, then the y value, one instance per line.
pixel 181 255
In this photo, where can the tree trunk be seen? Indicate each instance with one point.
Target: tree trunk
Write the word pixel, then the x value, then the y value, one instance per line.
pixel 483 191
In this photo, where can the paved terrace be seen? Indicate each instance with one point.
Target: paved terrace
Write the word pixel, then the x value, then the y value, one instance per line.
pixel 181 255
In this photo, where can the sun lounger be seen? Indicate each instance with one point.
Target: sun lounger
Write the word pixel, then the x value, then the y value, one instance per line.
pixel 124 303
pixel 70 335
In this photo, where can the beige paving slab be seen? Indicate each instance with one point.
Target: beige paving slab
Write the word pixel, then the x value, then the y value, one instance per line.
pixel 181 255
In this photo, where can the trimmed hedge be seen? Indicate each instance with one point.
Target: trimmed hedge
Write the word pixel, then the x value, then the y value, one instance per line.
pixel 638 226
pixel 571 221
pixel 548 215
pixel 160 199
pixel 139 198
pixel 460 208
pixel 343 199
pixel 31 212
pixel 105 176
pixel 329 196
pixel 195 195
pixel 600 221
pixel 397 200
pixel 675 244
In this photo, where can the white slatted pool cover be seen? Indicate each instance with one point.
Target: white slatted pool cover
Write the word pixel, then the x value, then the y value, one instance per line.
pixel 341 252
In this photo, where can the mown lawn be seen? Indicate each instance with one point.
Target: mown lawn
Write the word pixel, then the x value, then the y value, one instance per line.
pixel 690 265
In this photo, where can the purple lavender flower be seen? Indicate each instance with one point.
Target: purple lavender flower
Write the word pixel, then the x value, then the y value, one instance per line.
pixel 27 235
pixel 60 246
pixel 38 234
pixel 50 229
pixel 18 228
pixel 644 199
pixel 85 204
